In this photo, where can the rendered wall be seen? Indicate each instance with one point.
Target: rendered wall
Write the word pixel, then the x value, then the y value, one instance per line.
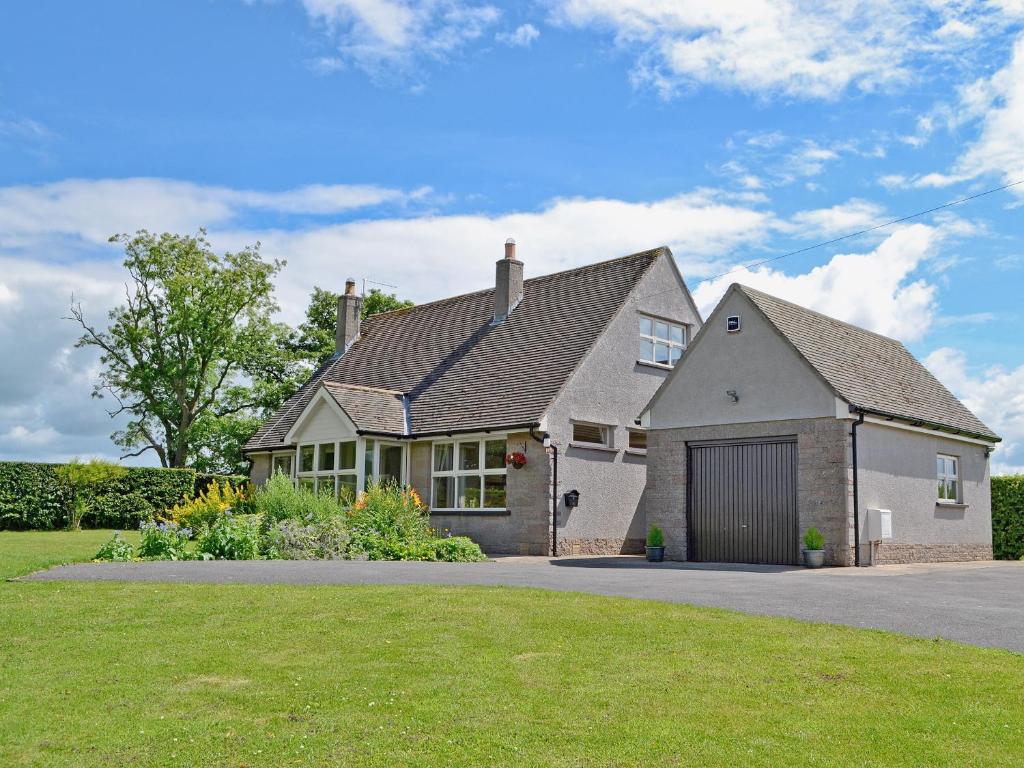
pixel 611 387
pixel 897 472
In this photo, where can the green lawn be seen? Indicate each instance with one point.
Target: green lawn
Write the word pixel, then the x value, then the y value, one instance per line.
pixel 176 675
pixel 24 552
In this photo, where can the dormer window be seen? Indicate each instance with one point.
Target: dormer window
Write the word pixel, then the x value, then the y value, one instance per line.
pixel 661 342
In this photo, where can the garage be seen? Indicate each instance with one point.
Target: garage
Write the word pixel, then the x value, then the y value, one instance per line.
pixel 742 505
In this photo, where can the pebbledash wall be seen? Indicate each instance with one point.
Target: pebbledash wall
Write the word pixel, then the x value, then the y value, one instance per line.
pixel 823 479
pixel 611 388
pixel 897 472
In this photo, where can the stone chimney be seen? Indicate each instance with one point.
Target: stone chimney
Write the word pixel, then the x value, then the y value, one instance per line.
pixel 508 283
pixel 349 305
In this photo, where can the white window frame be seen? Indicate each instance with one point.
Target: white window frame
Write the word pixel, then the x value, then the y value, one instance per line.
pixel 666 340
pixel 607 435
pixel 944 477
pixel 480 471
pixel 629 448
pixel 290 455
pixel 327 477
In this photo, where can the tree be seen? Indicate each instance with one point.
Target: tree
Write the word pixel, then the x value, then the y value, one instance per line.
pixel 193 343
pixel 314 338
pixel 84 478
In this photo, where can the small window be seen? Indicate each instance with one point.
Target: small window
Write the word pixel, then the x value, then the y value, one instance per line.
pixel 306 458
pixel 732 324
pixel 661 342
pixel 326 462
pixel 283 464
pixel 347 455
pixel 948 470
pixel 637 440
pixel 589 433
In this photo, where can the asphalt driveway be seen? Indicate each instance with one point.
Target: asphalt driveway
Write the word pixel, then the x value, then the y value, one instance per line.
pixel 977 603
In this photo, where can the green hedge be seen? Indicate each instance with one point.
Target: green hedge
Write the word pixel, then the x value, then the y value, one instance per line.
pixel 33 498
pixel 1008 517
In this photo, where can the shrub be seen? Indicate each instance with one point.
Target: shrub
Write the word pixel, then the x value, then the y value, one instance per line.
pixel 813 539
pixel 655 537
pixel 294 540
pixel 117 550
pixel 231 537
pixel 457 549
pixel 237 482
pixel 280 500
pixel 86 479
pixel 208 506
pixel 164 541
pixel 33 497
pixel 1008 517
pixel 390 514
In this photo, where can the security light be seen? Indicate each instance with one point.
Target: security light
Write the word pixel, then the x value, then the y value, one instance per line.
pixel 547 440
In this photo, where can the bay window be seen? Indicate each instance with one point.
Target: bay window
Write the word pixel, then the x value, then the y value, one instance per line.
pixel 468 475
pixel 329 468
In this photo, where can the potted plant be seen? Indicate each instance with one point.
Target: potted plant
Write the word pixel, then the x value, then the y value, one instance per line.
pixel 814 548
pixel 517 459
pixel 655 545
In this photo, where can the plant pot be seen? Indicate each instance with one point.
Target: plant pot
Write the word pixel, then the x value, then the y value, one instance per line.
pixel 655 554
pixel 814 558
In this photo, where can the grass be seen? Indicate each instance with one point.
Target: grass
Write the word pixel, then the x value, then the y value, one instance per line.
pixel 22 552
pixel 98 674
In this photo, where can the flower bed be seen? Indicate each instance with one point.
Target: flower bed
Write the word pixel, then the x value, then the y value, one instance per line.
pixel 281 522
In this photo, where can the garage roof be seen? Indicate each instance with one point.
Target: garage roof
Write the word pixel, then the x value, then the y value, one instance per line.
pixel 871 372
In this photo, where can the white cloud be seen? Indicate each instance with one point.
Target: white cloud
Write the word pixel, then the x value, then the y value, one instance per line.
pixel 435 256
pixel 522 37
pixel 877 290
pixel 92 210
pixel 1009 262
pixel 45 407
pixel 995 395
pixel 386 36
pixel 1000 147
pixel 840 219
pixel 796 47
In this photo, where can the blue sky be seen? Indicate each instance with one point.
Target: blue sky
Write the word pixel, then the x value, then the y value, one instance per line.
pixel 403 140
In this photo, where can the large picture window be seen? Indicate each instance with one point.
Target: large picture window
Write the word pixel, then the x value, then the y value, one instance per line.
pixel 468 474
pixel 329 468
pixel 661 342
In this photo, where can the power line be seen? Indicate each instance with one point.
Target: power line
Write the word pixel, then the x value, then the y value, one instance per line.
pixel 861 232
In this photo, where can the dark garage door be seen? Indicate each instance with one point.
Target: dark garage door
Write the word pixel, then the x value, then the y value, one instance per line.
pixel 742 502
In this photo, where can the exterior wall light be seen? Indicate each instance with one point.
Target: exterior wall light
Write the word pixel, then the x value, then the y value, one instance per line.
pixel 732 393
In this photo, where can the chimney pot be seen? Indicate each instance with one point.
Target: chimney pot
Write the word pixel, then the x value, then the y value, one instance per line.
pixel 350 287
pixel 510 249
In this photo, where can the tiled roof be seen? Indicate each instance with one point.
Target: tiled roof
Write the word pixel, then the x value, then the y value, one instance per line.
pixel 871 372
pixel 460 373
pixel 371 409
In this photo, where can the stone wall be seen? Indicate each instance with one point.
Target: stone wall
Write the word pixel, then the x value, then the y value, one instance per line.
pixel 524 528
pixel 824 491
pixel 888 553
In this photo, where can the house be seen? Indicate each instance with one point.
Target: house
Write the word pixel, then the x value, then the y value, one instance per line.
pixel 439 395
pixel 780 418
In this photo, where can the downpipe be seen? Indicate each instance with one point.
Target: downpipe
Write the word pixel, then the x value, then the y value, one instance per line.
pixel 554 489
pixel 856 491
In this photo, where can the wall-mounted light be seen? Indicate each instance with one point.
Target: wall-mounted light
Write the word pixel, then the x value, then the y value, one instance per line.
pixel 546 440
pixel 732 393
